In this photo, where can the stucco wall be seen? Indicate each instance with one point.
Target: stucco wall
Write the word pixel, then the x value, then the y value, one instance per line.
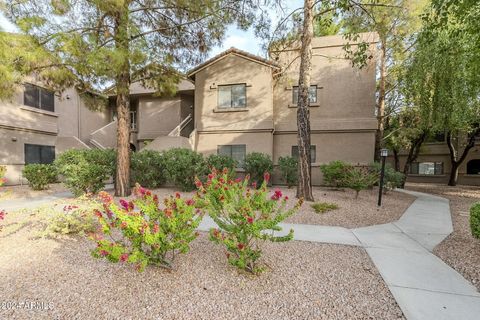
pixel 157 116
pixel 207 143
pixel 234 69
pixel 345 95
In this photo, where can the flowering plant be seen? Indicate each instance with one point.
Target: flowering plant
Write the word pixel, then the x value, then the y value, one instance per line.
pixel 151 235
pixel 2 216
pixel 246 217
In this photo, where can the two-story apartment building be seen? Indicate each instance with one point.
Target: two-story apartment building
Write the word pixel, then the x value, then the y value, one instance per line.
pixel 234 103
pixel 244 103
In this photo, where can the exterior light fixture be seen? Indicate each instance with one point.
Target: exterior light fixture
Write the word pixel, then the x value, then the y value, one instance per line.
pixel 383 155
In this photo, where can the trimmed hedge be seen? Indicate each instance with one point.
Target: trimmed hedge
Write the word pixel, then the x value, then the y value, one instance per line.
pixel 85 171
pixel 475 220
pixel 335 173
pixel 182 166
pixel 289 170
pixel 39 176
pixel 148 168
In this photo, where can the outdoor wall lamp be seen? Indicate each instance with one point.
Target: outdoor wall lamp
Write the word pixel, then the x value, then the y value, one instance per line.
pixel 383 155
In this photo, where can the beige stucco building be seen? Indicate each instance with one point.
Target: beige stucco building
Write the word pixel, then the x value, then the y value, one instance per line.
pixel 234 104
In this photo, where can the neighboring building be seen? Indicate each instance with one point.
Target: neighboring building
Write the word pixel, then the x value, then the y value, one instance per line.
pixel 433 164
pixel 234 104
pixel 244 103
pixel 36 124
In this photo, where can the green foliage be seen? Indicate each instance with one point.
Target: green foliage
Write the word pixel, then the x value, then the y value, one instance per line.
pixel 85 171
pixel 289 170
pixel 475 220
pixel 246 218
pixel 219 162
pixel 39 176
pixel 182 166
pixel 359 178
pixel 392 179
pixel 3 171
pixel 150 234
pixel 256 165
pixel 334 173
pixel 148 168
pixel 76 218
pixel 322 207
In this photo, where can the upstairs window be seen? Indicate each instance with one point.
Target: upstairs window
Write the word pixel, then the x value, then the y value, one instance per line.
pixel 426 168
pixel 236 151
pixel 35 153
pixel 40 98
pixel 232 96
pixel 313 151
pixel 312 95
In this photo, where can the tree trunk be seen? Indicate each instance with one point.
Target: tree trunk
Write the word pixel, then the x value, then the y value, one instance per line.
pixel 396 160
pixel 122 83
pixel 304 187
pixel 381 101
pixel 455 164
pixel 412 155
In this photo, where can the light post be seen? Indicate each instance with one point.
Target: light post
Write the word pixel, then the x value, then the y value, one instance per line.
pixel 383 154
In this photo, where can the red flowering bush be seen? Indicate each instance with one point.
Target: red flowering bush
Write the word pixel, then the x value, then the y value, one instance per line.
pixel 247 217
pixel 149 234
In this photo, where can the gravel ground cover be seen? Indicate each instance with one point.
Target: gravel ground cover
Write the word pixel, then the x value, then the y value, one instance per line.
pixel 16 192
pixel 460 249
pixel 306 281
pixel 352 213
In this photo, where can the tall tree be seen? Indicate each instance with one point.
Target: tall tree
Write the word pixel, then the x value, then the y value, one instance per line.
pixel 304 187
pixel 444 77
pixel 395 22
pixel 102 42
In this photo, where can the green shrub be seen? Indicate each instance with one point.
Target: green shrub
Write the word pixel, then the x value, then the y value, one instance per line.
pixel 246 218
pixel 322 207
pixel 148 168
pixel 475 220
pixel 289 170
pixel 393 179
pixel 39 176
pixel 3 171
pixel 219 162
pixel 359 179
pixel 151 235
pixel 335 172
pixel 86 170
pixel 256 165
pixel 182 166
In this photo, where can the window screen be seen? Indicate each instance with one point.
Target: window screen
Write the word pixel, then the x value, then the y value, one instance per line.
pixel 426 168
pixel 235 151
pixel 36 97
pixel 39 154
pixel 313 151
pixel 232 96
pixel 312 94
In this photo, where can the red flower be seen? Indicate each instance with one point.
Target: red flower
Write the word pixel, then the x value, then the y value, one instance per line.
pixel 240 246
pixel 156 228
pixel 222 198
pixel 225 170
pixel 250 220
pixel 238 180
pixel 286 197
pixel 124 204
pixel 210 176
pixel 124 257
pixel 123 225
pixel 190 202
pixel 254 185
pixel 97 213
pixel 103 253
pixel 198 183
pixel 2 214
pixel 168 213
pixel 221 180
pixel 277 195
pixel 266 177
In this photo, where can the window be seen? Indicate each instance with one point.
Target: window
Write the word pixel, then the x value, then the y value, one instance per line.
pixel 133 120
pixel 35 153
pixel 312 94
pixel 313 153
pixel 232 96
pixel 236 151
pixel 37 97
pixel 427 168
pixel 473 166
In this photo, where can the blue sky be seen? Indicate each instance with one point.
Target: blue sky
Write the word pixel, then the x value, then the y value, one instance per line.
pixel 244 40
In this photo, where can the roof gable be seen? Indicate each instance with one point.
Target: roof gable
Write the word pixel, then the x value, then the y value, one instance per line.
pixel 236 52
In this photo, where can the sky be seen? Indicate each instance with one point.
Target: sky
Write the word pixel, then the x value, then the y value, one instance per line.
pixel 234 37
